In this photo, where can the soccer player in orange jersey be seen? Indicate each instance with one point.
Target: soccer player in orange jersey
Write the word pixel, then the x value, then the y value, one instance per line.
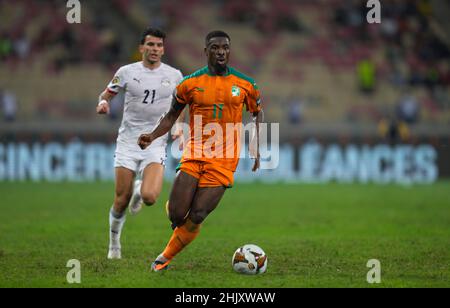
pixel 216 95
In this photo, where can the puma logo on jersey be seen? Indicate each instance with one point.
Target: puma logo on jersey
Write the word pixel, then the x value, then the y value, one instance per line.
pixel 135 79
pixel 200 89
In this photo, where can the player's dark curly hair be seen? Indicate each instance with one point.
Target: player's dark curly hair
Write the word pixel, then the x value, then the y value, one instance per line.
pixel 153 32
pixel 216 33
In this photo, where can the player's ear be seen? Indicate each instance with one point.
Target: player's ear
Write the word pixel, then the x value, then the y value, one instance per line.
pixel 141 48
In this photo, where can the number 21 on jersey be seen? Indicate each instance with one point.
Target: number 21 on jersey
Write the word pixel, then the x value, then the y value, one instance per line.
pixel 147 94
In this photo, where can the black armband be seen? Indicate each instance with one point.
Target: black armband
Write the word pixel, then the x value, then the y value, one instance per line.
pixel 178 106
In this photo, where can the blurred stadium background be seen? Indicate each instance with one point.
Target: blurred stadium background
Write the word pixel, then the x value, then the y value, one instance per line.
pixel 326 75
pixel 356 102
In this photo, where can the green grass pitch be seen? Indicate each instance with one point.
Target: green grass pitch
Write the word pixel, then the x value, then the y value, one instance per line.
pixel 314 236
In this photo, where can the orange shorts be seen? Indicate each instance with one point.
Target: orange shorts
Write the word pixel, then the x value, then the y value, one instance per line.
pixel 208 174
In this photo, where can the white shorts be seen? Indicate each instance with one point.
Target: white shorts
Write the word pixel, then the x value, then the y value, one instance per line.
pixel 137 161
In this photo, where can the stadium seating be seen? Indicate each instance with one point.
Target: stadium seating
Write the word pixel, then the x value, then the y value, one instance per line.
pixel 294 49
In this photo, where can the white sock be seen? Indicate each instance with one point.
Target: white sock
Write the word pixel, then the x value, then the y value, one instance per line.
pixel 138 188
pixel 116 222
pixel 137 191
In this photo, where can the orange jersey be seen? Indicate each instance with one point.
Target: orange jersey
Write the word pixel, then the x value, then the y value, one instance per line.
pixel 215 108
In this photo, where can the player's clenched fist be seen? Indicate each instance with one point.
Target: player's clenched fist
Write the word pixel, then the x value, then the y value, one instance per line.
pixel 144 141
pixel 103 107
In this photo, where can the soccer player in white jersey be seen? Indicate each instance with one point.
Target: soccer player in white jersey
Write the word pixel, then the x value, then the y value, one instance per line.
pixel 148 87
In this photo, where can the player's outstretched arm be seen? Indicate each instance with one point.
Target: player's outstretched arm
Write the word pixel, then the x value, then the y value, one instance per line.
pixel 164 126
pixel 103 102
pixel 258 117
pixel 177 132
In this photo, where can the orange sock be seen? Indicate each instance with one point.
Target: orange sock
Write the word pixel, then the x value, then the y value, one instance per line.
pixel 181 237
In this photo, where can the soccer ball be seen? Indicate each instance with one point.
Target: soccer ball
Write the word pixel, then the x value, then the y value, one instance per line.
pixel 249 259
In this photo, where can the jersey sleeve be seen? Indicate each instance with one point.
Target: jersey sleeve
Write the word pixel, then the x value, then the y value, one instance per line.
pixel 253 99
pixel 182 93
pixel 118 82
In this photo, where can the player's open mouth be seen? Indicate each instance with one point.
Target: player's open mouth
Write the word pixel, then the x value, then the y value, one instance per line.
pixel 221 61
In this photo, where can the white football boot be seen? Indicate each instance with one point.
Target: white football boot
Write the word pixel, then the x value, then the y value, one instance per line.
pixel 114 253
pixel 136 201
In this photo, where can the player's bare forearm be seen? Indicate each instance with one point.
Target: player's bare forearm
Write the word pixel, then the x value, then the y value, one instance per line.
pixel 106 95
pixel 177 131
pixel 179 125
pixel 164 126
pixel 103 102
pixel 258 118
pixel 166 123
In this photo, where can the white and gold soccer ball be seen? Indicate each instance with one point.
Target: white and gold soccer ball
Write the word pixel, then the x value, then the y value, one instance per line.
pixel 249 259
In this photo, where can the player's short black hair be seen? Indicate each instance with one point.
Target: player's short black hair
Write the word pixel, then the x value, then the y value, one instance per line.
pixel 153 32
pixel 216 33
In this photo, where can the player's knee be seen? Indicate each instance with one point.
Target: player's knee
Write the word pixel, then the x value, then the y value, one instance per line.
pixel 198 216
pixel 177 217
pixel 149 198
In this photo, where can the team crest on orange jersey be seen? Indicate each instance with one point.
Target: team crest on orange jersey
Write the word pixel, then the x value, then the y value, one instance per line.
pixel 235 91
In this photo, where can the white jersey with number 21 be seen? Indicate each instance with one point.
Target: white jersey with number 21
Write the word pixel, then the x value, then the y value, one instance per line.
pixel 148 97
